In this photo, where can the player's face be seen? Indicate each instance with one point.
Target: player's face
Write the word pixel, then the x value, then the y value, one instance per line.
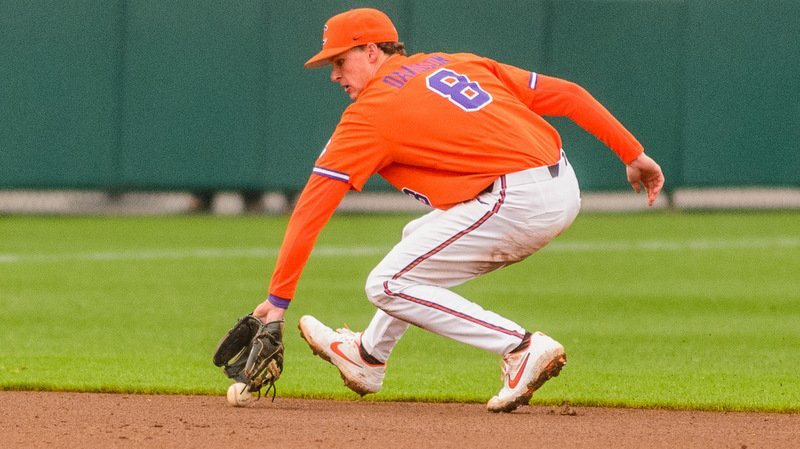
pixel 352 70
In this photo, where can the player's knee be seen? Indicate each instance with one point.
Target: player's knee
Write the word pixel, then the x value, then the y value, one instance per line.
pixel 412 226
pixel 376 287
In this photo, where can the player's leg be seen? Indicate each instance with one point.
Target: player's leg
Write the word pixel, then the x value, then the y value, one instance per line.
pixel 360 356
pixel 443 249
pixel 381 335
pixel 497 229
pixel 384 331
pixel 411 283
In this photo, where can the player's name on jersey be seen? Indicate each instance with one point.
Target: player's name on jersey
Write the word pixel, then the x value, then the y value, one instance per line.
pixel 399 78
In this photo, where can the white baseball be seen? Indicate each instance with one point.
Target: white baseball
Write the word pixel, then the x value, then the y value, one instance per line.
pixel 239 395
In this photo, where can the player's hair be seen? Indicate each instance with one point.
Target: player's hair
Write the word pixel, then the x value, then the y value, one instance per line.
pixel 391 48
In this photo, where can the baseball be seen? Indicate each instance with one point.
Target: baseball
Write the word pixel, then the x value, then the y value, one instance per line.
pixel 239 395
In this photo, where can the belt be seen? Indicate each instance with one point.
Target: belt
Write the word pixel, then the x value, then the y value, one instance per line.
pixel 535 174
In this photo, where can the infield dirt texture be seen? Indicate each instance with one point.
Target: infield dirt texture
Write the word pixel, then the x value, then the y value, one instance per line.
pixel 35 420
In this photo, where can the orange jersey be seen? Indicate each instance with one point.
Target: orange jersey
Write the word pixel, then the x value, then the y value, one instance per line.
pixel 440 127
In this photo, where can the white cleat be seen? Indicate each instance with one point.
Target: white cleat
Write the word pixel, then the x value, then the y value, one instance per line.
pixel 527 370
pixel 342 349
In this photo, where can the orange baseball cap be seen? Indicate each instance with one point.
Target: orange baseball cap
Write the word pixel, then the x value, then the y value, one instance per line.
pixel 351 29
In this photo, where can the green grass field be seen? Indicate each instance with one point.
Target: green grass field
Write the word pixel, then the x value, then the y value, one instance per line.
pixel 698 311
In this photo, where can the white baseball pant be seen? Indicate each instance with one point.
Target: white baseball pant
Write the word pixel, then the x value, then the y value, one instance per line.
pixel 521 214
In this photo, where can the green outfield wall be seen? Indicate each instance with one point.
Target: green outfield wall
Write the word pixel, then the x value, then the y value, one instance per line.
pixel 201 94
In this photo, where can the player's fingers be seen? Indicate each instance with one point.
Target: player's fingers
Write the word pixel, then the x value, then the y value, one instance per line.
pixel 651 197
pixel 653 188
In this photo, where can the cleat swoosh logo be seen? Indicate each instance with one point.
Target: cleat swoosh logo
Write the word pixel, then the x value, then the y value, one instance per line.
pixel 512 382
pixel 335 348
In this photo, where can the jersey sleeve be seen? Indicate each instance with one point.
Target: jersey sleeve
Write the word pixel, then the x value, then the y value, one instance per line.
pixel 353 154
pixel 355 151
pixel 315 206
pixel 550 96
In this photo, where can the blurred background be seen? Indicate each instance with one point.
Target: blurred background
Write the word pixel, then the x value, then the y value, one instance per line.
pixel 152 106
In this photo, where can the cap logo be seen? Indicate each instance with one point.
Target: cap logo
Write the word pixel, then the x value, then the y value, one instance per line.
pixel 324 38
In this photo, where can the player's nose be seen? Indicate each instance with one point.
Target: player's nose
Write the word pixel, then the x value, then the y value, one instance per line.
pixel 335 75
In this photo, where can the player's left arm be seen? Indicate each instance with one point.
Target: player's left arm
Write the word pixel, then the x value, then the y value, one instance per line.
pixel 547 95
pixel 558 97
pixel 563 98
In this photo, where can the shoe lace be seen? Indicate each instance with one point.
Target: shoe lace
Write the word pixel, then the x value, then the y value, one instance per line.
pixel 506 363
pixel 346 331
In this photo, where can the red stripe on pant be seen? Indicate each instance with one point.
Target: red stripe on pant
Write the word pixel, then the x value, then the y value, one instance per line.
pixel 450 311
pixel 452 239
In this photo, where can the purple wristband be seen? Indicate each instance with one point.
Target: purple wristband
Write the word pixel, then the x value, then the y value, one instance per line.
pixel 277 301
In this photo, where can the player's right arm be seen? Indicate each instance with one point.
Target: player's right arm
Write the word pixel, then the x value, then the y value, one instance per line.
pixel 314 208
pixel 353 154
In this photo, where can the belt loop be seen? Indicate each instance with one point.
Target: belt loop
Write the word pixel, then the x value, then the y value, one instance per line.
pixel 553 169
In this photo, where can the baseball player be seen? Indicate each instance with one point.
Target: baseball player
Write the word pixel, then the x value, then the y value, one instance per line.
pixel 465 135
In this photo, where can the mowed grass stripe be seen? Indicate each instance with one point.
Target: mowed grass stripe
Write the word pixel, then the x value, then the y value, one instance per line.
pixel 189 253
pixel 338 251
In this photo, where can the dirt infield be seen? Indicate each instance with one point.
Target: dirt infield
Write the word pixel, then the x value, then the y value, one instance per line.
pixel 80 420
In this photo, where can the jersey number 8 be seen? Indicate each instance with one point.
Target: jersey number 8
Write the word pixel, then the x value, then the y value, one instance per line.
pixel 457 88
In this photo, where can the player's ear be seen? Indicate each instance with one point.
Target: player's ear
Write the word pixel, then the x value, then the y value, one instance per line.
pixel 373 52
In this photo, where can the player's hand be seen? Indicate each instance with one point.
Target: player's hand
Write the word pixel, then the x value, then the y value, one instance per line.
pixel 267 312
pixel 644 171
